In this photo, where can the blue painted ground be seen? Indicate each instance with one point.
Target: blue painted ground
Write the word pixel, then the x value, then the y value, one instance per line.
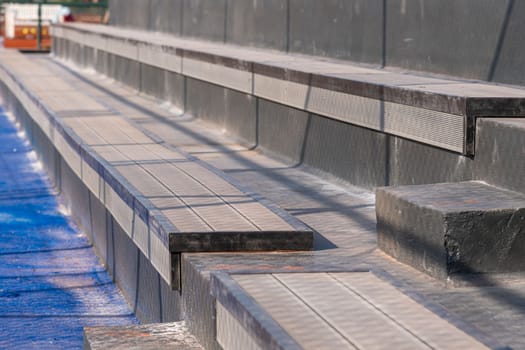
pixel 51 283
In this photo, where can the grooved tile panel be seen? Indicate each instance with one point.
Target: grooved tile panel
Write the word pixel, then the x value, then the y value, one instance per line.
pixel 430 328
pixel 205 203
pixel 339 310
pixel 300 320
pixel 230 333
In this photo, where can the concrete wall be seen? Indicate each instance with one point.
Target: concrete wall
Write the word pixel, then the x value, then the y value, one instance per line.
pixel 479 39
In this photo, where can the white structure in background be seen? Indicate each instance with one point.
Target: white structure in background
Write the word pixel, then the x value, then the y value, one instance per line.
pixel 27 15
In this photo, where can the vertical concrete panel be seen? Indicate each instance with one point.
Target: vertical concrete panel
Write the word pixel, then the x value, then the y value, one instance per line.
pixel 116 13
pixel 198 304
pixel 499 153
pixel 413 163
pixel 101 62
pixel 345 29
pixel 232 111
pixel 240 118
pixel 48 155
pixel 148 308
pixel 140 282
pixel 128 72
pixel 507 58
pixel 89 57
pixel 135 13
pixel 166 16
pixel 171 306
pixel 205 19
pixel 111 66
pixel 257 23
pixel 74 195
pixel 351 153
pixel 99 234
pixel 455 37
pixel 55 46
pixel 282 129
pixel 175 91
pixel 124 258
pixel 205 101
pixel 152 81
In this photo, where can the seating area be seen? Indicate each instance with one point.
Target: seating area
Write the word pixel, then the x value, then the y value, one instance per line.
pixel 438 113
pixel 434 111
pixel 121 116
pixel 166 201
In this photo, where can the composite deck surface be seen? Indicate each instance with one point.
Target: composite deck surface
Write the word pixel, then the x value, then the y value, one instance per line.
pixel 342 310
pixel 343 215
pixel 51 282
pixel 194 198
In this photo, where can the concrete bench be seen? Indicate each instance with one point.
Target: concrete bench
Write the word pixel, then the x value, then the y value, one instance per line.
pixel 451 228
pixel 330 311
pixel 166 201
pixel 433 111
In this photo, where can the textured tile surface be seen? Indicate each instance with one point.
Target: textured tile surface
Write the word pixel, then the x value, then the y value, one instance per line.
pixel 350 310
pixel 198 200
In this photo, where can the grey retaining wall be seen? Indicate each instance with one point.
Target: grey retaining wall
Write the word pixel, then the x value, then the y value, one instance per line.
pixel 479 39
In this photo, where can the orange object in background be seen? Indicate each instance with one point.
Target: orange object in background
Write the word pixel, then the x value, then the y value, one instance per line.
pixel 20 25
pixel 25 38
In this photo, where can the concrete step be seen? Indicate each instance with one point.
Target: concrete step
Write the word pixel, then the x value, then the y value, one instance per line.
pixel 317 112
pixel 155 336
pixel 434 111
pixel 449 228
pixel 165 200
pixel 342 310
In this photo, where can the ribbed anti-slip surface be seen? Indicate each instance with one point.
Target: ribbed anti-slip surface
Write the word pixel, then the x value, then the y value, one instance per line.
pixel 51 282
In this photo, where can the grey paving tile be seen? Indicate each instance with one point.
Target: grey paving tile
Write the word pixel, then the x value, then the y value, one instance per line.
pixel 305 325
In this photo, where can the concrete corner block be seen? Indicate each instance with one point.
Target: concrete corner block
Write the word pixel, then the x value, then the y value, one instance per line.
pixel 452 228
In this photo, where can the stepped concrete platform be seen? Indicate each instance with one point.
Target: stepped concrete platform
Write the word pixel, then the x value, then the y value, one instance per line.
pixel 166 201
pixel 435 111
pixel 344 217
pixel 443 229
pixel 340 310
pixel 171 335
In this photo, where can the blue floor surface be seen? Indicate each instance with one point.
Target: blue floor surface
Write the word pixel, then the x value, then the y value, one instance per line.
pixel 51 282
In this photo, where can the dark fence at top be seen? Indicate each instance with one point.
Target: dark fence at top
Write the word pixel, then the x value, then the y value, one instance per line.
pixel 479 39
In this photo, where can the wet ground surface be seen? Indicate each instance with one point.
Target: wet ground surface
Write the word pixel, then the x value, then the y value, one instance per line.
pixel 51 282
